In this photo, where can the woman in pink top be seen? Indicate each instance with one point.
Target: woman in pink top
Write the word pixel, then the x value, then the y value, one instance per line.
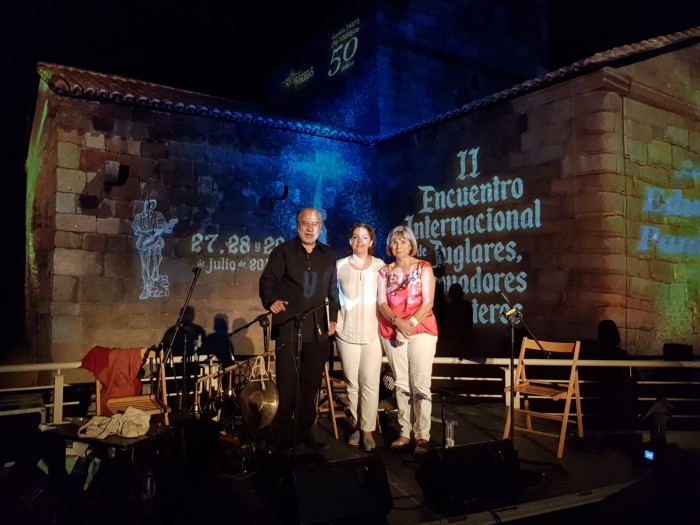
pixel 408 329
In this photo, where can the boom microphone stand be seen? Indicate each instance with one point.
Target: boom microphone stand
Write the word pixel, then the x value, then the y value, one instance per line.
pixel 299 324
pixel 515 317
pixel 264 323
pixel 169 352
pixel 169 357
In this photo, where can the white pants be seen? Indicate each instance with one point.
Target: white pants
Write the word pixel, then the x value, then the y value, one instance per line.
pixel 412 364
pixel 362 365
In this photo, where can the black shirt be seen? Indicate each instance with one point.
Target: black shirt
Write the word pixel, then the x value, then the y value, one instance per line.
pixel 287 277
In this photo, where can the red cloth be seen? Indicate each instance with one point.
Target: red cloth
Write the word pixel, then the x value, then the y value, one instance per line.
pixel 117 369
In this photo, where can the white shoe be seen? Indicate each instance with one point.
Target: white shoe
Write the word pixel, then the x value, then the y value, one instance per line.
pixel 368 444
pixel 354 438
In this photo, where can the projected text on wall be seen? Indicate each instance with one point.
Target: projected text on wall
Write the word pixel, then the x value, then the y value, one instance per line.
pixel 344 44
pixel 452 221
pixel 673 204
pixel 232 253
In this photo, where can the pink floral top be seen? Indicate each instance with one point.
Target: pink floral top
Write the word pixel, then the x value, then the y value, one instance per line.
pixel 404 296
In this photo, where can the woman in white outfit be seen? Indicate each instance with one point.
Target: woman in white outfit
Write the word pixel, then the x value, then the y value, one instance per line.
pixel 357 332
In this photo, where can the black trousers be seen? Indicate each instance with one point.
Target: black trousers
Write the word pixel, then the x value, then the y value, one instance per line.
pixel 298 373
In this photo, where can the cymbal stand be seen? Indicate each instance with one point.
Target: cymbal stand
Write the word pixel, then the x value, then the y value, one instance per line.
pixel 246 441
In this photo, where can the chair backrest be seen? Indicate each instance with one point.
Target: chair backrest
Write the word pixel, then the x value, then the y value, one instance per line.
pixel 116 371
pixel 561 349
pixel 548 349
pixel 128 364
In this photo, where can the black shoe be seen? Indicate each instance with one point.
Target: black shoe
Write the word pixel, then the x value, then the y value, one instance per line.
pixel 314 444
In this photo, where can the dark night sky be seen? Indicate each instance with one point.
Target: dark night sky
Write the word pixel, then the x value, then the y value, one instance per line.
pixel 200 46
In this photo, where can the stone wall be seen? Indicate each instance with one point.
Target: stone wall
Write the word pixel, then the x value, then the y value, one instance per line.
pixel 96 164
pixel 586 153
pixel 548 197
pixel 383 66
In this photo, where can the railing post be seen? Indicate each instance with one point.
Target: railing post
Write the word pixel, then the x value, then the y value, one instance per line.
pixel 506 385
pixel 58 384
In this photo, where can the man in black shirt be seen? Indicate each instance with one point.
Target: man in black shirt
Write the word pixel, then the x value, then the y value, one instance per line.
pixel 299 286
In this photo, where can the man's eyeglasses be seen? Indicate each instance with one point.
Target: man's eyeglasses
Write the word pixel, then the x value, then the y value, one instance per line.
pixel 313 225
pixel 308 262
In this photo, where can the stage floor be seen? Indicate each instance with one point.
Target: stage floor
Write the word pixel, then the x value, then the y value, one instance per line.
pixel 604 478
pixel 600 479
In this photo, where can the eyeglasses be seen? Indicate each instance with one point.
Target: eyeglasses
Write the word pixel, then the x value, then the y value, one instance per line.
pixel 308 262
pixel 313 225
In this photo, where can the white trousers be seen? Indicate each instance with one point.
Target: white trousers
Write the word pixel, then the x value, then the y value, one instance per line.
pixel 362 365
pixel 412 364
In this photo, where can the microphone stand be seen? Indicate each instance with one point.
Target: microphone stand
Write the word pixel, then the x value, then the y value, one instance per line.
pixel 169 357
pixel 514 317
pixel 299 323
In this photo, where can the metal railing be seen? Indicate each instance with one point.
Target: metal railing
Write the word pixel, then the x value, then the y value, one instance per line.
pixel 459 365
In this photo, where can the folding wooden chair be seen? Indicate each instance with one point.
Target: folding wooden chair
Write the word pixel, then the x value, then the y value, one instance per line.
pixel 155 402
pixel 535 385
pixel 327 401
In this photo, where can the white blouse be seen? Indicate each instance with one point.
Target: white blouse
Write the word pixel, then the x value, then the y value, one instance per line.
pixel 358 318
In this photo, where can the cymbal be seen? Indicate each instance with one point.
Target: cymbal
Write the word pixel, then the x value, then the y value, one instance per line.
pixel 258 401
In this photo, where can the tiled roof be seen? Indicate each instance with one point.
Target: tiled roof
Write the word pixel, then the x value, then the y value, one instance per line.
pixel 90 85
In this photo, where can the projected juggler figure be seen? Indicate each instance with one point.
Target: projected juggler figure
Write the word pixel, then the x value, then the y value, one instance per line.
pixel 149 226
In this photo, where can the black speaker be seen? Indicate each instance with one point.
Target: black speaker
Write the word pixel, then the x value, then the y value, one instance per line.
pixel 334 490
pixel 678 352
pixel 477 471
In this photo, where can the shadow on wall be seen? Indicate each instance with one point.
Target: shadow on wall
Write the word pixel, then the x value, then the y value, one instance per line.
pixel 242 343
pixel 455 334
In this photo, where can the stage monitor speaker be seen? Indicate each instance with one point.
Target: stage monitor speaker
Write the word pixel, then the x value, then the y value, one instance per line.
pixel 334 490
pixel 465 473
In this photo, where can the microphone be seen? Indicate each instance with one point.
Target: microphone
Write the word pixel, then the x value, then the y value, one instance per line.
pixel 328 314
pixel 505 298
pixel 511 309
pixel 196 270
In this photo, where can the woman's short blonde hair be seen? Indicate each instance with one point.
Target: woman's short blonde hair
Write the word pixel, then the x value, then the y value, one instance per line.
pixel 406 233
